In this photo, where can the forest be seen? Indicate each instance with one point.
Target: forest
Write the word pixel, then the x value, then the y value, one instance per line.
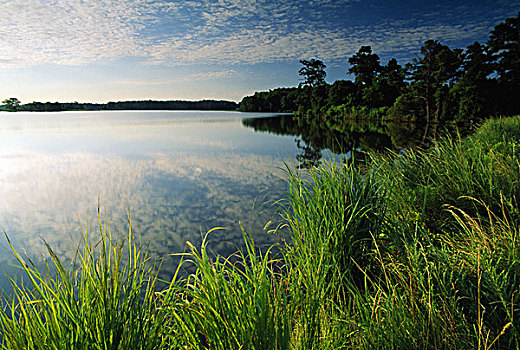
pixel 441 84
pixel 13 104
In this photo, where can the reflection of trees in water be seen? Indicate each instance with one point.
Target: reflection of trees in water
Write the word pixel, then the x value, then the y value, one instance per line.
pixel 308 156
pixel 347 136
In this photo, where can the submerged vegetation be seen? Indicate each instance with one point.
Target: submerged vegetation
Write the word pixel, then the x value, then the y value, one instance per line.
pixel 409 250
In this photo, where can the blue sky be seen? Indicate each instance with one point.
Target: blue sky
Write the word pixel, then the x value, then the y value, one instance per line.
pixel 110 50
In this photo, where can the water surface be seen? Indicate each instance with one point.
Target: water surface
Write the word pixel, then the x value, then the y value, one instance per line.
pixel 178 174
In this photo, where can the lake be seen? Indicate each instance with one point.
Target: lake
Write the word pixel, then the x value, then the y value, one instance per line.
pixel 178 174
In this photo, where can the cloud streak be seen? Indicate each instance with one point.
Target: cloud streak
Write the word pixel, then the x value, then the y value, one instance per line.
pixel 201 76
pixel 69 32
pixel 66 32
pixel 257 46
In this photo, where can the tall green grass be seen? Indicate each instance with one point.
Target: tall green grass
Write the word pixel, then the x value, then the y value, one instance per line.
pixel 239 302
pixel 414 250
pixel 105 299
pixel 331 214
pixel 484 166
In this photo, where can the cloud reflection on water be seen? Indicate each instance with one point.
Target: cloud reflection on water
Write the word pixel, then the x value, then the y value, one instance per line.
pixel 172 197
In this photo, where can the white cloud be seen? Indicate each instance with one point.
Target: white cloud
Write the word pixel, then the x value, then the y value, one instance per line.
pixel 205 75
pixel 264 31
pixel 225 73
pixel 252 46
pixel 70 32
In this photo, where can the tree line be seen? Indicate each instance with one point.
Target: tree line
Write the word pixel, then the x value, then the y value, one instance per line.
pixel 13 104
pixel 440 84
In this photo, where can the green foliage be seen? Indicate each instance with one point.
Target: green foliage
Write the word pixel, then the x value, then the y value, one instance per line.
pixel 332 216
pixel 441 85
pixel 239 302
pixel 313 72
pixel 407 107
pixel 405 276
pixel 473 91
pixel 504 45
pixel 500 131
pixel 484 166
pixel 12 103
pixel 387 86
pixel 122 105
pixel 341 92
pixel 344 112
pixel 364 65
pixel 432 74
pixel 104 299
pixel 277 100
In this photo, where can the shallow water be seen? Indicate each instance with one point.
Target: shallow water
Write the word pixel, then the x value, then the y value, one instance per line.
pixel 178 174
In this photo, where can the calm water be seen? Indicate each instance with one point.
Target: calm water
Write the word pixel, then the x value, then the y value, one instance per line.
pixel 178 173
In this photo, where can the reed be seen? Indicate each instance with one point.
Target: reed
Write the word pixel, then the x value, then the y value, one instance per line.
pixel 483 166
pixel 330 213
pixel 104 299
pixel 238 302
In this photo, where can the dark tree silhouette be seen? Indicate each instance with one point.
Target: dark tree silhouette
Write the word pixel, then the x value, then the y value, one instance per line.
pixel 313 72
pixel 12 103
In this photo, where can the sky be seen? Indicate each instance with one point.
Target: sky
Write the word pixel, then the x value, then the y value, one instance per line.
pixel 114 50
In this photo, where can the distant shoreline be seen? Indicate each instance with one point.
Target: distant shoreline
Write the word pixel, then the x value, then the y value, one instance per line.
pixel 204 105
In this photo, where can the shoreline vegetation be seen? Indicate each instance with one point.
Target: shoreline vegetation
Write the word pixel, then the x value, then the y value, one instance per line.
pixel 405 250
pixel 440 85
pixel 14 105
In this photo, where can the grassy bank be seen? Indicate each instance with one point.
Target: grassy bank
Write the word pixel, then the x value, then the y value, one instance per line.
pixel 413 250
